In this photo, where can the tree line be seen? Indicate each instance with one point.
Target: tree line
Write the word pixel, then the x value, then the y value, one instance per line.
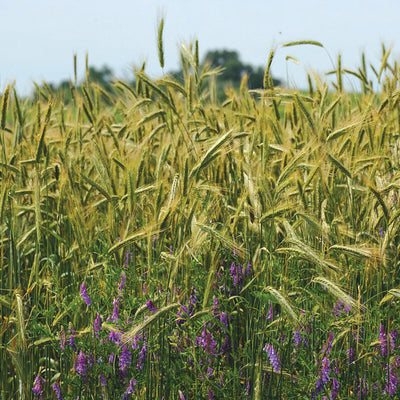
pixel 232 71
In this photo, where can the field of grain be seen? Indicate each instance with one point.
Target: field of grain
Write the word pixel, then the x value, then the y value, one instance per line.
pixel 158 244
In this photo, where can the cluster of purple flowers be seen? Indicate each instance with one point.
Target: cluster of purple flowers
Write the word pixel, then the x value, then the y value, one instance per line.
pixel 340 307
pixel 38 387
pixel 273 357
pixel 85 295
pixel 239 272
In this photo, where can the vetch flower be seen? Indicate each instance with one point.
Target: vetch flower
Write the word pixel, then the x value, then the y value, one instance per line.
pixel 151 307
pixel 111 359
pixel 115 337
pixel 224 318
pixel 84 295
pixel 335 388
pixel 383 341
pixel 38 387
pixel 125 360
pixel 97 325
pixel 131 389
pixel 207 342
pixel 392 381
pixel 392 340
pixel 135 342
pixel 182 313
pixel 57 389
pixel 103 380
pixel 122 281
pixel 115 315
pixel 273 357
pixel 226 346
pixel 215 306
pixel 270 313
pixel 126 263
pixel 328 345
pixel 350 355
pixel 325 370
pixel 72 337
pixel 63 339
pixel 81 364
pixel 142 357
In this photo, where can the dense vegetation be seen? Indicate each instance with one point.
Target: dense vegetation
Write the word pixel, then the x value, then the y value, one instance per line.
pixel 157 243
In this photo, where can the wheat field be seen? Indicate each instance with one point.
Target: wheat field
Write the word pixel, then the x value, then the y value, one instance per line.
pixel 156 243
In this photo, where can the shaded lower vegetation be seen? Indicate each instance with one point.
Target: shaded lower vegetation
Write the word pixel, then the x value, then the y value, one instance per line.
pixel 156 243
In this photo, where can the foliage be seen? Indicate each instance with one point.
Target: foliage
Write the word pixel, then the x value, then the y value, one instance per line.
pixel 248 249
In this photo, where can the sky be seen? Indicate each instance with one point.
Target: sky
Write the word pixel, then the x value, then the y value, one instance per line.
pixel 38 39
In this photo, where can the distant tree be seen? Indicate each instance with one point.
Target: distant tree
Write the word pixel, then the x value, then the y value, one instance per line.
pixel 229 60
pixel 234 68
pixel 102 76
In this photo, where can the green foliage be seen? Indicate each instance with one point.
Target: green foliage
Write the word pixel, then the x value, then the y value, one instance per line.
pixel 270 219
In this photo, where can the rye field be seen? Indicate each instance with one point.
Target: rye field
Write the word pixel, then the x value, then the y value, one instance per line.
pixel 159 244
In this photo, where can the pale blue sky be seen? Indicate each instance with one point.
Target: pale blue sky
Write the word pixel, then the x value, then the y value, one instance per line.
pixel 38 38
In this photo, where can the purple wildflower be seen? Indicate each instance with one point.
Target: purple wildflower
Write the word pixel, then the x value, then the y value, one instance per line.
pixel 270 313
pixel 297 338
pixel 115 336
pixel 208 343
pixel 57 389
pixel 224 318
pixel 335 388
pixel 350 355
pixel 182 313
pixel 392 340
pixel 383 341
pixel 136 339
pixel 97 325
pixel 81 364
pixel 72 337
pixel 111 359
pixel 84 295
pixel 236 272
pixel 142 357
pixel 193 297
pixel 126 263
pixel 347 308
pixel 210 394
pixel 273 357
pixel 325 370
pixel 381 232
pixel 63 339
pixel 122 281
pixel 115 315
pixel 151 307
pixel 226 346
pixel 392 381
pixel 125 360
pixel 362 387
pixel 248 269
pixel 103 380
pixel 215 306
pixel 328 345
pixel 38 387
pixel 131 389
pixel 336 310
